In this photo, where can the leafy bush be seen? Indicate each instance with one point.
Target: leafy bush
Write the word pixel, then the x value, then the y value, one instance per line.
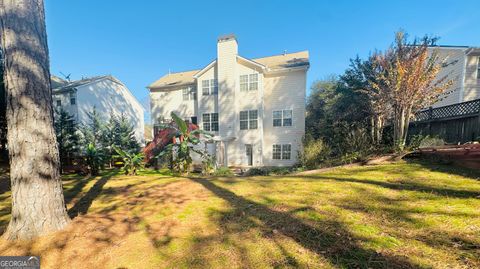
pixel 256 172
pixel 430 141
pixel 314 152
pixel 131 161
pixel 223 172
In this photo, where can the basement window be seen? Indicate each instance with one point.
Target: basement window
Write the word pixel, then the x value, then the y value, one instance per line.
pixel 282 152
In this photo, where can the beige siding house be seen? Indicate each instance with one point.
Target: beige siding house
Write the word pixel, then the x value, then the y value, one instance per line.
pixel 254 107
pixel 464 69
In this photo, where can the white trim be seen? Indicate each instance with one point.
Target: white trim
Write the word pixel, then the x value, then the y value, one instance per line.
pixel 205 69
pixel 462 82
pixel 263 67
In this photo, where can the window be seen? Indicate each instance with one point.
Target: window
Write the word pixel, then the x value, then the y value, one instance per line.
pixel 282 118
pixel 286 151
pixel 59 102
pixel 249 82
pixel 277 152
pixel 72 101
pixel 253 82
pixel 282 152
pixel 478 68
pixel 248 119
pixel 205 87
pixel 209 87
pixel 194 120
pixel 244 83
pixel 189 93
pixel 210 122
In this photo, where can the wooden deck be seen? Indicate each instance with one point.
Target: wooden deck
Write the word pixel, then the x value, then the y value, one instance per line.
pixel 467 155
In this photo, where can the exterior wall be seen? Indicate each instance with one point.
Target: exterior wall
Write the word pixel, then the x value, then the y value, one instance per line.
pixel 284 91
pixel 64 98
pixel 162 103
pixel 455 57
pixel 207 103
pixel 247 100
pixel 277 91
pixel 472 83
pixel 110 97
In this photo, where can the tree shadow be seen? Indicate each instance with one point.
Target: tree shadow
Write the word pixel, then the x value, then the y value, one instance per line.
pixel 446 168
pixel 403 185
pixel 82 205
pixel 329 239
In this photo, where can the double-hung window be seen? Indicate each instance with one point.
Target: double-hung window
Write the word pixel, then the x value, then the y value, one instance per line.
pixel 248 119
pixel 282 118
pixel 189 93
pixel 59 102
pixel 209 87
pixel 249 82
pixel 282 152
pixel 210 122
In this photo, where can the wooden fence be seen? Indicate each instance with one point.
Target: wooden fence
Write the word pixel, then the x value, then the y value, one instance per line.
pixel 458 123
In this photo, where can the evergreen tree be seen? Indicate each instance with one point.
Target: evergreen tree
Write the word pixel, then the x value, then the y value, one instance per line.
pixel 126 139
pixel 93 130
pixel 67 137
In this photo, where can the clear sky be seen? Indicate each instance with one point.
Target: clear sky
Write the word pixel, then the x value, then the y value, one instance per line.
pixel 140 41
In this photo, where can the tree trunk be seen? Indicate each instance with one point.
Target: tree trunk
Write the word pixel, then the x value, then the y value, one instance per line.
pixel 38 205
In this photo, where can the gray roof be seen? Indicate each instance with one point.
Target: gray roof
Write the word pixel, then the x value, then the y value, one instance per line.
pixel 273 63
pixel 74 84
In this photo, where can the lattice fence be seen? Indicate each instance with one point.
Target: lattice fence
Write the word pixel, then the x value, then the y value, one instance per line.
pixel 465 109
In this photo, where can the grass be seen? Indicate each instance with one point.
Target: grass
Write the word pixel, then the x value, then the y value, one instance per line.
pixel 405 215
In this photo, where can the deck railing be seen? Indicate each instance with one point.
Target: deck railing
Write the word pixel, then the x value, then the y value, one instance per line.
pixel 460 110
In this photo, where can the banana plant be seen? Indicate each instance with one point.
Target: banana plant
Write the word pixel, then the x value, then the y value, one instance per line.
pixel 131 161
pixel 183 144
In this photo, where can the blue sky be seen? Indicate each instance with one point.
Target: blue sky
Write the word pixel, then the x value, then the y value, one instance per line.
pixel 139 41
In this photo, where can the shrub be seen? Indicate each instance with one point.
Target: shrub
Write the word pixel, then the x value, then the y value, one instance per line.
pixel 223 172
pixel 256 172
pixel 314 152
pixel 430 141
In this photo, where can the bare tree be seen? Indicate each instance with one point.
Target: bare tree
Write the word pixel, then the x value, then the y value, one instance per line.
pixel 408 79
pixel 38 205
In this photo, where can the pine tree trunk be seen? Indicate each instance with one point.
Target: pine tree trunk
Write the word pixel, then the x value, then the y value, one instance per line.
pixel 38 205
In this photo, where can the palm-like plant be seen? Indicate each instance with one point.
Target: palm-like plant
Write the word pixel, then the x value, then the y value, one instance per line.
pixel 93 159
pixel 183 144
pixel 131 161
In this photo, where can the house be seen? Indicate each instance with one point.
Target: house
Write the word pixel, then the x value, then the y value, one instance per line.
pixel 464 69
pixel 106 93
pixel 254 107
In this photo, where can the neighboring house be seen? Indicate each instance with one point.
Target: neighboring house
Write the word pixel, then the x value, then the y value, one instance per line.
pixel 254 107
pixel 464 69
pixel 106 93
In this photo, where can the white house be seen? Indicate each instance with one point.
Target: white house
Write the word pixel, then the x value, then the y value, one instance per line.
pixel 254 107
pixel 107 94
pixel 464 69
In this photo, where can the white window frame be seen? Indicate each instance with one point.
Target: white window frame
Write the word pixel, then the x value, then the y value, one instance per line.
pixel 209 87
pixel 249 82
pixel 189 93
pixel 280 151
pixel 208 123
pixel 283 118
pixel 249 120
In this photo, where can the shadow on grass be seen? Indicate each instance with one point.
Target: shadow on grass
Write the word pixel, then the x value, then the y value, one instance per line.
pixel 82 206
pixel 446 168
pixel 404 186
pixel 329 239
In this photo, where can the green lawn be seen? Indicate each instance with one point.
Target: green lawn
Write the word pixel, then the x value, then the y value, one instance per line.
pixel 388 216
